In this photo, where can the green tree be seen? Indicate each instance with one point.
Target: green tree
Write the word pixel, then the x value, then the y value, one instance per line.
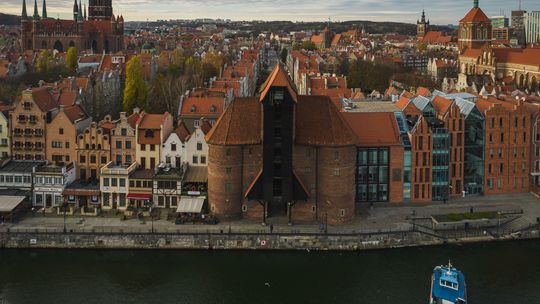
pixel 72 59
pixel 284 54
pixel 136 91
pixel 43 61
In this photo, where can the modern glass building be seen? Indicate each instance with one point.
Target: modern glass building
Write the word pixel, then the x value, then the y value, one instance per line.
pixel 407 155
pixel 373 175
pixel 440 163
pixel 474 147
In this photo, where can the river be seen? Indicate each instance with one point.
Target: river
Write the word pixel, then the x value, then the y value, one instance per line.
pixel 502 272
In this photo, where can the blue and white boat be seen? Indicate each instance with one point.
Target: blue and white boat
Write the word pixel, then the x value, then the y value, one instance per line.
pixel 448 286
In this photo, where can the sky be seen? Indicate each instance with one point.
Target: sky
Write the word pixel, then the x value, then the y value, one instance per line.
pixel 438 11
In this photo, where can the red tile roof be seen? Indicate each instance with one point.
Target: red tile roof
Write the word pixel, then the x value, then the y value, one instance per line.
pixel 202 106
pixel 374 129
pixel 240 124
pixel 74 113
pixel 43 98
pixel 278 78
pixel 319 123
pixel 441 104
pixel 182 132
pixel 475 15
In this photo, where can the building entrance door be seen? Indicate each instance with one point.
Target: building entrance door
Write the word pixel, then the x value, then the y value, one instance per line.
pixel 48 200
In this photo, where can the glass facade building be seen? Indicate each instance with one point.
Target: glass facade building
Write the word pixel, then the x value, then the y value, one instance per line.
pixel 372 175
pixel 407 155
pixel 441 161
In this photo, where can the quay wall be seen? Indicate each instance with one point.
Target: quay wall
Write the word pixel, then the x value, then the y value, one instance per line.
pixel 238 241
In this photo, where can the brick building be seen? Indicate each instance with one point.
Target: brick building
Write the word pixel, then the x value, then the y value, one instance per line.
pixel 508 144
pixel 284 153
pixel 100 32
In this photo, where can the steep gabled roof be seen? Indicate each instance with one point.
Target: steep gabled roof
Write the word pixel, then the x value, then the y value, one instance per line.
pixel 319 123
pixel 441 104
pixel 44 99
pixel 182 132
pixel 240 124
pixel 278 78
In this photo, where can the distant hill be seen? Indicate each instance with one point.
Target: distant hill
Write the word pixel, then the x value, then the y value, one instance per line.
pixel 6 19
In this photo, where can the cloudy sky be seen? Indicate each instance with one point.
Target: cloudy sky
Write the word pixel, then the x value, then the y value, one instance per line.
pixel 439 11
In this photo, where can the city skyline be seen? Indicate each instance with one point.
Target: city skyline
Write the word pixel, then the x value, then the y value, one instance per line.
pixel 340 10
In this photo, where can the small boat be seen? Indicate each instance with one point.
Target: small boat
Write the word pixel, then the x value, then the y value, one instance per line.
pixel 447 286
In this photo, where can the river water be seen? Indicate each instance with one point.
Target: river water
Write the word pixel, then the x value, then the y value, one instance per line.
pixel 506 272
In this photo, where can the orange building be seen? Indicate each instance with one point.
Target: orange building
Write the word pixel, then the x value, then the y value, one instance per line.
pixel 93 152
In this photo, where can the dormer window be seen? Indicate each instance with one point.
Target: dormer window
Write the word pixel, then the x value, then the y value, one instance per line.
pixel 149 134
pixel 192 109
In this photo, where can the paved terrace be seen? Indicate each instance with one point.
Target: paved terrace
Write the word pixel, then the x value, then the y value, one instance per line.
pixel 370 219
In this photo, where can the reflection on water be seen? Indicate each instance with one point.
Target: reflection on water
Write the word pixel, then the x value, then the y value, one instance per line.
pixel 496 273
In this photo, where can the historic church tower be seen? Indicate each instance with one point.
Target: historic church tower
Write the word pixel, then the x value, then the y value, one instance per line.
pixel 474 29
pixel 100 10
pixel 422 26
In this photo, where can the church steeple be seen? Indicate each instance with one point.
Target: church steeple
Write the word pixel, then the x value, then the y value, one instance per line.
pixel 423 15
pixel 24 15
pixel 475 4
pixel 75 10
pixel 36 14
pixel 44 11
pixel 80 15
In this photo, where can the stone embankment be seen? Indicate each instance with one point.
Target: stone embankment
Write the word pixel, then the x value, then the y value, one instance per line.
pixel 245 241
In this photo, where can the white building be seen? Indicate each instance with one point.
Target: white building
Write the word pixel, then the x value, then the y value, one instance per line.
pixel 183 147
pixel 532 27
pixel 49 184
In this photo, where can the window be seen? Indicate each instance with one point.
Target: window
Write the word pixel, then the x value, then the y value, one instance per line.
pixel 106 182
pixel 122 182
pixel 143 147
pixel 61 131
pixel 128 159
pixel 67 144
pixel 173 147
pixel 114 182
pixel 195 159
pixel 228 170
pixel 203 159
pixel 92 159
pixel 152 147
pixel 199 146
pixel 104 159
pixel 502 138
pixel 118 144
pixel 128 144
pixel 118 159
pixel 336 172
pixel 228 186
pixel 123 132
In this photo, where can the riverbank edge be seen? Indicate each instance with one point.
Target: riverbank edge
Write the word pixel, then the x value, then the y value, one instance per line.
pixel 239 241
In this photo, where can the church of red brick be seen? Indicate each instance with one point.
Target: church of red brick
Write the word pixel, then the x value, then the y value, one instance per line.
pixel 100 31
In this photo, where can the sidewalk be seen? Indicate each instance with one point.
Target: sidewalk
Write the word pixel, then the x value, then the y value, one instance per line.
pixel 379 217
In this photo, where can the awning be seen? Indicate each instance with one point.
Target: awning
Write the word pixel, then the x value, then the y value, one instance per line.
pixel 9 203
pixel 196 174
pixel 190 204
pixel 139 196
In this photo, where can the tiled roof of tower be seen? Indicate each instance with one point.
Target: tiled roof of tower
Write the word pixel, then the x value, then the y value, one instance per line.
pixel 374 129
pixel 278 78
pixel 240 124
pixel 475 15
pixel 319 123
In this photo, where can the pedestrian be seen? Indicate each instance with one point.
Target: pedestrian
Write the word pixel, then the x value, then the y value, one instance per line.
pixel 271 228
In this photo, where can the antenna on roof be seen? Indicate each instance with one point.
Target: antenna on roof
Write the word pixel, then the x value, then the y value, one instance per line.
pixel 519 4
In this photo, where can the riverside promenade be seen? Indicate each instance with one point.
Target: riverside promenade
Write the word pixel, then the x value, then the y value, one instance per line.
pixel 375 226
